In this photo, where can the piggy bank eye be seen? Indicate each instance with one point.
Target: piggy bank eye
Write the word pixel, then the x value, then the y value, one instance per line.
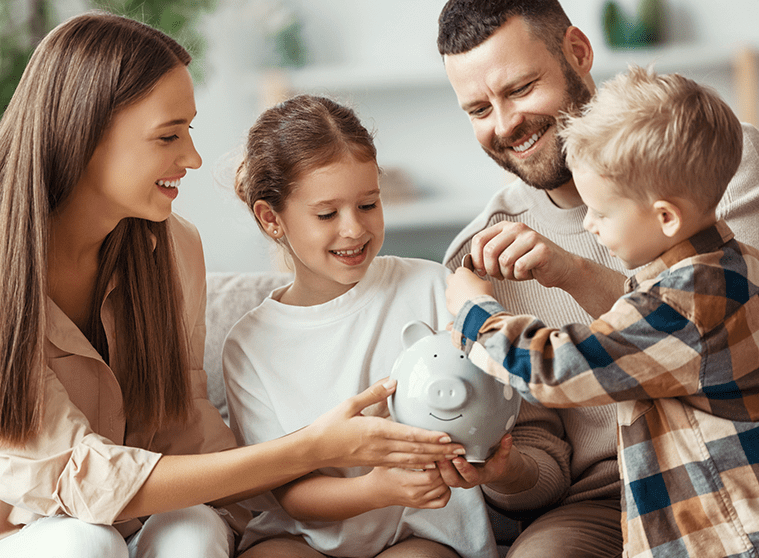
pixel 434 356
pixel 461 356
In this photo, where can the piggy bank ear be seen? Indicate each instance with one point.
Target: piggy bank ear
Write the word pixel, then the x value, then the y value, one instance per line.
pixel 414 331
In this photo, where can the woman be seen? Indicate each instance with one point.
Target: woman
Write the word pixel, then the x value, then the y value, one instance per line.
pixel 103 415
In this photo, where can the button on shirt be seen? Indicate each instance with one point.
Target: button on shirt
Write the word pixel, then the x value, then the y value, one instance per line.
pixel 680 353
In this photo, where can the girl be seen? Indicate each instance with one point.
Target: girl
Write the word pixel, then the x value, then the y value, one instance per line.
pixel 310 177
pixel 102 397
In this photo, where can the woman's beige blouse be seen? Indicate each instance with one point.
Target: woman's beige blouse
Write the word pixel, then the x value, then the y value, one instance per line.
pixel 84 463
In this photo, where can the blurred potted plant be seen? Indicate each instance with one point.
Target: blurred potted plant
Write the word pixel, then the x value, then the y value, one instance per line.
pixel 18 37
pixel 283 30
pixel 645 28
pixel 24 22
pixel 176 18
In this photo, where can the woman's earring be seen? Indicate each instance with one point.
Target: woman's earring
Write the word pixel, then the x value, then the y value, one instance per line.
pixel 275 232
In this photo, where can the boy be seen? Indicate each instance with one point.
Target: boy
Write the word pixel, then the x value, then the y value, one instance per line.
pixel 680 350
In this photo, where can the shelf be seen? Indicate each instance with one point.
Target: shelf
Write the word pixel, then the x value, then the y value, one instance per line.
pixel 666 59
pixel 354 77
pixel 739 59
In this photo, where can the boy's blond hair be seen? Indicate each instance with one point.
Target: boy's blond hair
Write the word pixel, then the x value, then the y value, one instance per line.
pixel 657 137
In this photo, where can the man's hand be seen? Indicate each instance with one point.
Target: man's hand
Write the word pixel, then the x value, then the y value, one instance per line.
pixel 460 473
pixel 516 252
pixel 506 471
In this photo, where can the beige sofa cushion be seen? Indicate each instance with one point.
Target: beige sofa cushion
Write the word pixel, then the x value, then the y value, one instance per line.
pixel 230 297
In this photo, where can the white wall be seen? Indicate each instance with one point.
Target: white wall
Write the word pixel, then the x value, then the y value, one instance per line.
pixel 419 128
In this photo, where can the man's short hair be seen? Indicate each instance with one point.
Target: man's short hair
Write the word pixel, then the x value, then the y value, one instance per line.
pixel 466 24
pixel 656 137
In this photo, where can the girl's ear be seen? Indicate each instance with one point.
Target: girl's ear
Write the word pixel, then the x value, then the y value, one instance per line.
pixel 268 218
pixel 670 217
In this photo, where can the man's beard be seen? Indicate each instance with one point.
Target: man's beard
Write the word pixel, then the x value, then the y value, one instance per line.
pixel 548 169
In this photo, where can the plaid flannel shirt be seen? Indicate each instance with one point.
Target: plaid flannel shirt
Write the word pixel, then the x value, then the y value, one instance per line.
pixel 680 353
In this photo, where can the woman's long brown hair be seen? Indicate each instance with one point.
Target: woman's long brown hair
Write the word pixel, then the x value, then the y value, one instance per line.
pixel 80 75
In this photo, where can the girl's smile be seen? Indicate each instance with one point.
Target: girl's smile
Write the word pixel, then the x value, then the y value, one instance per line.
pixel 334 227
pixel 354 256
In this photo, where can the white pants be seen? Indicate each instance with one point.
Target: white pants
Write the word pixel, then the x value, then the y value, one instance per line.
pixel 196 532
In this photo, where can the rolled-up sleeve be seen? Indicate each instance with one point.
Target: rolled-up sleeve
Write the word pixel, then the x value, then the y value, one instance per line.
pixel 69 469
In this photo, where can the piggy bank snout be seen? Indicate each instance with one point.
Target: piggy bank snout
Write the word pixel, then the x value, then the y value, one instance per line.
pixel 447 394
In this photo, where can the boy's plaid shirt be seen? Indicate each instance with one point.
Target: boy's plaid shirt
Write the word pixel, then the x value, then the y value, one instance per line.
pixel 680 353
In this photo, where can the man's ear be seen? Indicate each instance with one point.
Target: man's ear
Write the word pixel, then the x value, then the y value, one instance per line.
pixel 268 218
pixel 669 216
pixel 578 51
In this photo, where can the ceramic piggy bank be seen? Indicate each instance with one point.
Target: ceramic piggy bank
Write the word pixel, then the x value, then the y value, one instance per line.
pixel 440 389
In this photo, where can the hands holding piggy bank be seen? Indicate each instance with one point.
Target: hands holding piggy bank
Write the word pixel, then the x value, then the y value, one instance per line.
pixel 440 389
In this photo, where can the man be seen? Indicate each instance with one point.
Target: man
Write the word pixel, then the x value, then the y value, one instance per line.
pixel 516 66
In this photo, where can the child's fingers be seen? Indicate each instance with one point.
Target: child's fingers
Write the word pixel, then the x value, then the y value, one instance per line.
pixel 467 262
pixel 437 498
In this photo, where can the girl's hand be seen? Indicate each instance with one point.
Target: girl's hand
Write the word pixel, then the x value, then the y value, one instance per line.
pixel 409 488
pixel 464 285
pixel 346 438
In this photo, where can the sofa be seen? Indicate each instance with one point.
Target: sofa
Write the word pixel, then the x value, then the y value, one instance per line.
pixel 229 297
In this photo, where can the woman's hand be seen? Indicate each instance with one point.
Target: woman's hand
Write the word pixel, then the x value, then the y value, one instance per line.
pixel 464 285
pixel 346 438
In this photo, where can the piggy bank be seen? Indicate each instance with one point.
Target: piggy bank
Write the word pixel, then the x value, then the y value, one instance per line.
pixel 440 389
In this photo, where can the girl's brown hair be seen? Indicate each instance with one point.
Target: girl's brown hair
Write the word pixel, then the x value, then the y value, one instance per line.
pixel 82 73
pixel 301 134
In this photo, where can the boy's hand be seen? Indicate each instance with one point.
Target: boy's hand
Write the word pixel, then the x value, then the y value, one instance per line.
pixel 464 285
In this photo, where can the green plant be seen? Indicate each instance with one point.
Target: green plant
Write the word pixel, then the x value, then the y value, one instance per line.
pixel 17 41
pixel 176 18
pixel 622 30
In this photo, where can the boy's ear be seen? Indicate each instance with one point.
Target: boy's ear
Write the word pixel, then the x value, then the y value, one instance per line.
pixel 670 217
pixel 268 218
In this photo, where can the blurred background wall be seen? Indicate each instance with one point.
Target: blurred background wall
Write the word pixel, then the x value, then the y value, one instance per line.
pixel 380 57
